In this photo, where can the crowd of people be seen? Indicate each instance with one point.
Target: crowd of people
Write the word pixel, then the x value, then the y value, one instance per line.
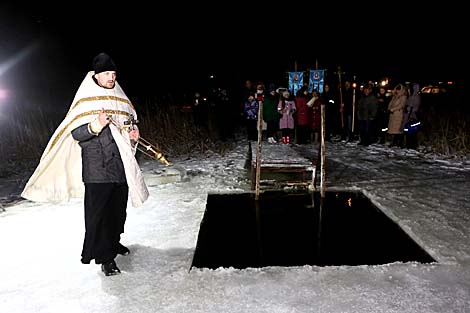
pixel 367 115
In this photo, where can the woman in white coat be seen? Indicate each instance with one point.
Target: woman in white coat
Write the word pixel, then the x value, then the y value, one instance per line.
pixel 396 108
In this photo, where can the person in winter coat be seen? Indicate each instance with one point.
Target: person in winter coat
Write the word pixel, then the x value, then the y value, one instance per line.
pixel 270 114
pixel 303 115
pixel 332 114
pixel 396 108
pixel 411 114
pixel 200 110
pixel 382 114
pixel 286 107
pixel 366 114
pixel 250 111
pixel 315 104
pixel 347 110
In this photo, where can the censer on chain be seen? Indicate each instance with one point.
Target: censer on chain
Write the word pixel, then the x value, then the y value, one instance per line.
pixel 143 145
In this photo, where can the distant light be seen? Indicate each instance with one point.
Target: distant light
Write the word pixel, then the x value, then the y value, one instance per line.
pixel 449 83
pixel 3 94
pixel 354 85
pixel 12 61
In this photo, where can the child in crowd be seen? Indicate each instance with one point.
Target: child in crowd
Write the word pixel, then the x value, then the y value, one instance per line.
pixel 286 107
pixel 250 111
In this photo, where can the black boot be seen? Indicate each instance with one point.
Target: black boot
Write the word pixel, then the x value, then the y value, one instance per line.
pixel 400 140
pixel 110 268
pixel 123 250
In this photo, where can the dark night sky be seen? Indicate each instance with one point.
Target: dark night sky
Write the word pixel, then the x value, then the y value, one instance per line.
pixel 162 48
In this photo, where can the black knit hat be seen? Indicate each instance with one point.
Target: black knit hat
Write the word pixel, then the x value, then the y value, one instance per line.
pixel 102 63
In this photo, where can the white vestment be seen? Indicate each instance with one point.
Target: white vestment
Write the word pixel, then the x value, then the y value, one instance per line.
pixel 58 177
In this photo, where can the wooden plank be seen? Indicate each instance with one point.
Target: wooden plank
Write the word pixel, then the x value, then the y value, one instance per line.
pixel 279 154
pixel 282 159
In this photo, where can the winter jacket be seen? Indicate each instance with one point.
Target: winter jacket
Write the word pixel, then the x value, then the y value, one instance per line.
pixel 303 110
pixel 287 108
pixel 367 107
pixel 270 112
pixel 413 103
pixel 396 108
pixel 348 99
pixel 251 109
pixel 101 160
pixel 382 110
pixel 315 117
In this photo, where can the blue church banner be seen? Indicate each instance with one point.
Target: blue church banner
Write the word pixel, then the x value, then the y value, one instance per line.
pixel 296 80
pixel 316 80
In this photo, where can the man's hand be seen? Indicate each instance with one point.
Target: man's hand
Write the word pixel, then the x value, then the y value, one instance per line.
pixel 134 134
pixel 97 125
pixel 103 118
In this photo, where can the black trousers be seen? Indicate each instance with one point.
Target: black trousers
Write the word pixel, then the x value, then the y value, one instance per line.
pixel 271 129
pixel 303 134
pixel 367 132
pixel 252 129
pixel 411 141
pixel 105 216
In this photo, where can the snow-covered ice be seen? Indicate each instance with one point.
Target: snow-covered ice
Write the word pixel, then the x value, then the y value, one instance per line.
pixel 426 194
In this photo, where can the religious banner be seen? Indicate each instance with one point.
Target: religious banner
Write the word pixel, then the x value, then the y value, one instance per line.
pixel 296 80
pixel 316 80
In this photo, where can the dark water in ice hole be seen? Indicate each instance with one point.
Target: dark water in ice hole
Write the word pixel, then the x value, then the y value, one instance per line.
pixel 285 229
